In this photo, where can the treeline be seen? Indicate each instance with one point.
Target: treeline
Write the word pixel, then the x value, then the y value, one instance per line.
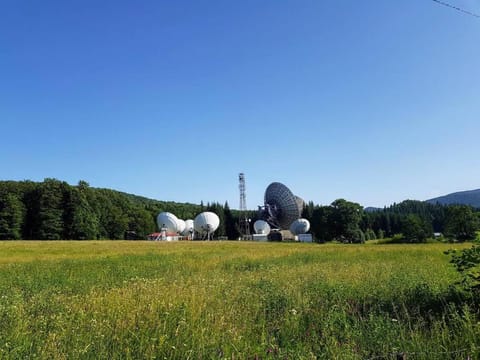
pixel 54 210
pixel 408 221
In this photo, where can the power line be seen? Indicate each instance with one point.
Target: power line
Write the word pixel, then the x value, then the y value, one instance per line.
pixel 457 8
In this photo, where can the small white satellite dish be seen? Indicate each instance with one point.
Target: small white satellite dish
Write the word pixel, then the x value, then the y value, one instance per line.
pixel 189 226
pixel 300 226
pixel 261 227
pixel 181 226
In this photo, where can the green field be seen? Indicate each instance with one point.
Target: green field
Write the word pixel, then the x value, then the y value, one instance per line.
pixel 231 300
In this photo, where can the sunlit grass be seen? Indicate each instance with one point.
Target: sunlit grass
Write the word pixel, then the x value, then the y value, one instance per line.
pixel 230 300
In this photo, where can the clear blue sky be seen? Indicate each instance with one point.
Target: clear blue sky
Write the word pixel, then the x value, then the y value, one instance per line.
pixel 372 101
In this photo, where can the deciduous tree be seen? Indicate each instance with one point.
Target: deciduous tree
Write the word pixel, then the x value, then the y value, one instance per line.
pixel 461 223
pixel 11 215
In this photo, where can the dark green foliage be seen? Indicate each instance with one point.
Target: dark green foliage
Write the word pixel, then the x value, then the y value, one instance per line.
pixel 319 223
pixel 231 228
pixel 345 218
pixel 415 229
pixel 50 205
pixel 358 236
pixel 391 220
pixel 80 220
pixel 416 220
pixel 11 214
pixel 141 222
pixel 370 235
pixel 339 221
pixel 308 209
pixel 115 223
pixel 56 210
pixel 461 223
pixel 30 200
pixel 467 263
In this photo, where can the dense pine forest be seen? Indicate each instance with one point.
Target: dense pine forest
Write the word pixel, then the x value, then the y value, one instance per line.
pixel 54 210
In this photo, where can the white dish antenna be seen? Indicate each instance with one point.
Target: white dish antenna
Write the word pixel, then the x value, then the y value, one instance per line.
pixel 189 227
pixel 300 226
pixel 168 222
pixel 206 223
pixel 181 226
pixel 261 227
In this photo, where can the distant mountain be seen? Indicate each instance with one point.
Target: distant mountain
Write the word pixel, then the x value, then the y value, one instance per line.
pixel 471 197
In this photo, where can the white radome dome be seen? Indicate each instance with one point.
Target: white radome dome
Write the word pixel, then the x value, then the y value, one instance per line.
pixel 168 221
pixel 261 227
pixel 189 226
pixel 206 222
pixel 300 226
pixel 180 226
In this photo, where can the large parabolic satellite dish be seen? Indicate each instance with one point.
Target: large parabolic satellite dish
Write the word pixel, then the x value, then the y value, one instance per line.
pixel 167 221
pixel 281 207
pixel 206 223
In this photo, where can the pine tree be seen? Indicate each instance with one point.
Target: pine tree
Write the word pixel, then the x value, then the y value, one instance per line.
pixel 231 228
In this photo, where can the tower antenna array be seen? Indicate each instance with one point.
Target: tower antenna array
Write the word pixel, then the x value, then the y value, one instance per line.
pixel 244 223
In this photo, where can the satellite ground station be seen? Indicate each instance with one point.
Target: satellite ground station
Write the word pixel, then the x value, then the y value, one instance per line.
pixel 172 228
pixel 279 219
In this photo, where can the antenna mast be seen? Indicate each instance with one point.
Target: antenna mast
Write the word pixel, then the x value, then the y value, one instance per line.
pixel 244 222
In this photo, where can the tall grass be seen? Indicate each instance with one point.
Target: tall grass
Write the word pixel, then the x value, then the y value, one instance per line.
pixel 238 300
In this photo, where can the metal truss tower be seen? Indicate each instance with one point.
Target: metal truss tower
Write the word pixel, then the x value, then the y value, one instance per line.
pixel 244 222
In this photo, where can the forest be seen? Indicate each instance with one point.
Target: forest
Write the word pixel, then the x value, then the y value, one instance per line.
pixel 56 210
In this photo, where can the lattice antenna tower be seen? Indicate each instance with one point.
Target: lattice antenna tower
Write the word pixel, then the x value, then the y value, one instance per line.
pixel 244 224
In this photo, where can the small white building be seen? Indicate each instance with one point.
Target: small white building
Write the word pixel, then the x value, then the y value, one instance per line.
pixel 304 238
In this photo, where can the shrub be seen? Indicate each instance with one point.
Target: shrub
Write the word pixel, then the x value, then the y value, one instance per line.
pixel 467 263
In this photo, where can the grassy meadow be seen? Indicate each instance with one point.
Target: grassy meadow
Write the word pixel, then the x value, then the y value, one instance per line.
pixel 231 300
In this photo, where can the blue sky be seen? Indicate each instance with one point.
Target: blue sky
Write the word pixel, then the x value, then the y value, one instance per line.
pixel 372 101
